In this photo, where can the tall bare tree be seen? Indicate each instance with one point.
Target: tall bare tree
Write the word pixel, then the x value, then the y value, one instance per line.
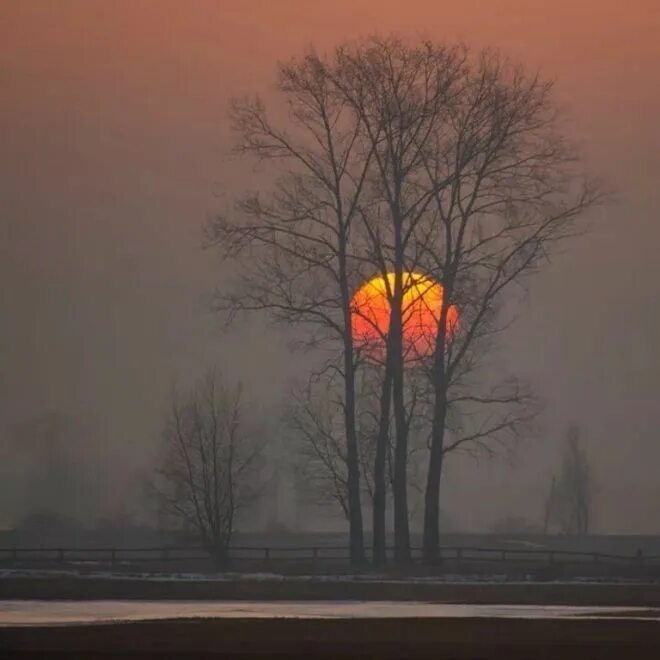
pixel 211 462
pixel 465 148
pixel 399 94
pixel 294 245
pixel 507 189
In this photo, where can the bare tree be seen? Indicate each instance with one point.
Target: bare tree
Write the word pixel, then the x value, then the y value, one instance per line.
pixel 407 158
pixel 398 94
pixel 568 505
pixel 211 462
pixel 507 189
pixel 293 245
pixel 469 183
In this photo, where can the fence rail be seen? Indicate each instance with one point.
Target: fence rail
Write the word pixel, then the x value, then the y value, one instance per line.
pixel 172 554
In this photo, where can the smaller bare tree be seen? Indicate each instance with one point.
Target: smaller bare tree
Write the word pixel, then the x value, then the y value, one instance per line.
pixel 210 464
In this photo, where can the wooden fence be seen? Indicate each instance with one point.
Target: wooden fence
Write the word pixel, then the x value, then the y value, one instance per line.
pixel 315 555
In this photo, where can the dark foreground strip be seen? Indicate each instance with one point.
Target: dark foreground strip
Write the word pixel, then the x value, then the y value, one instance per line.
pixel 441 639
pixel 72 588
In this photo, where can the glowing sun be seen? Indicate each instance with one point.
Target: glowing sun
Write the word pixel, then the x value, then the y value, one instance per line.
pixel 422 303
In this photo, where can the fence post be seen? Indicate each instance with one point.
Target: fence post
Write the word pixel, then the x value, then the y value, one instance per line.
pixel 113 557
pixel 60 554
pixel 166 554
pixel 315 553
pixel 503 555
pixel 266 555
pixel 459 556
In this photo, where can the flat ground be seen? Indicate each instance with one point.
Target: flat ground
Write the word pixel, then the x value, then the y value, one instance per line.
pixel 621 635
pixel 272 588
pixel 441 639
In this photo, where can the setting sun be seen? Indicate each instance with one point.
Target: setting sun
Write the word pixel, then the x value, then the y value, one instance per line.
pixel 422 303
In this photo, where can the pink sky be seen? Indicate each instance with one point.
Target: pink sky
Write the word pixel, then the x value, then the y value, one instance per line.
pixel 114 150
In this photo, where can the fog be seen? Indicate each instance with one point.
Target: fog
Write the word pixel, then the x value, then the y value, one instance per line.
pixel 115 148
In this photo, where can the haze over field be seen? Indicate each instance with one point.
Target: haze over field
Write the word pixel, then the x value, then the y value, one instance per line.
pixel 115 149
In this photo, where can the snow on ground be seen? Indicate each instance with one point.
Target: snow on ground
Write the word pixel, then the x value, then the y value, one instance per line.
pixel 277 577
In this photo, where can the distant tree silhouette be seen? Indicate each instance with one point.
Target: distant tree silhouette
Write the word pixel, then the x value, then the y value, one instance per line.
pixel 568 504
pixel 59 463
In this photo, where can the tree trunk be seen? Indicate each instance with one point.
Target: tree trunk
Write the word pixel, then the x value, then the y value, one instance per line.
pixel 354 505
pixel 431 542
pixel 352 456
pixel 432 496
pixel 400 487
pixel 380 483
pixel 401 528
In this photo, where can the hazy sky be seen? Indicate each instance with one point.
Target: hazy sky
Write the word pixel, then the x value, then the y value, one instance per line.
pixel 114 149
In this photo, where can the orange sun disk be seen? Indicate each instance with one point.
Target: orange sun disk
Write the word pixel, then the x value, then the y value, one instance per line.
pixel 422 303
